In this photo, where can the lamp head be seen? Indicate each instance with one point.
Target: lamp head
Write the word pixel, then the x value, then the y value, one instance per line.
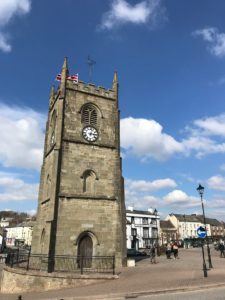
pixel 200 189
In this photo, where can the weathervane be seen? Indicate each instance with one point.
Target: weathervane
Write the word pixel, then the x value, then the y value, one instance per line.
pixel 91 64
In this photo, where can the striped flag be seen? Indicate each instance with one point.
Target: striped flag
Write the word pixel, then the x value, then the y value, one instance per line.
pixel 58 77
pixel 73 78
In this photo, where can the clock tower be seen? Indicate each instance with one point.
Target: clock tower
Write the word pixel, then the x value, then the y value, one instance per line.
pixel 81 208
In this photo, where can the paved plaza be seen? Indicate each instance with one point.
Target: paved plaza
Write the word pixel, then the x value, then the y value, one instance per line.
pixel 146 281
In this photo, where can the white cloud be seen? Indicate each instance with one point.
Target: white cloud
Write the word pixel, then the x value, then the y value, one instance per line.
pixel 216 203
pixel 181 199
pixel 4 46
pixel 8 10
pixel 142 202
pixel 137 192
pixel 222 167
pixel 122 12
pixel 215 40
pixel 205 136
pixel 216 182
pixel 149 186
pixel 15 189
pixel 212 125
pixel 202 146
pixel 22 137
pixel 145 138
pixel 31 212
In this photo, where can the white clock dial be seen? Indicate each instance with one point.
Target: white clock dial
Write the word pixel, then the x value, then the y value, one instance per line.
pixel 90 134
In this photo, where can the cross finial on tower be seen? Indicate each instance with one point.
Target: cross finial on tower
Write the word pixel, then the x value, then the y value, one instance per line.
pixel 91 64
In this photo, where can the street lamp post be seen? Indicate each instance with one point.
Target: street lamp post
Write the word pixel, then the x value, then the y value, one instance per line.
pixel 204 264
pixel 185 232
pixel 157 233
pixel 200 190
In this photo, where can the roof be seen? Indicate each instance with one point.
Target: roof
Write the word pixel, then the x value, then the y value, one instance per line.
pixel 210 221
pixel 197 218
pixel 24 224
pixel 166 225
pixel 187 218
pixel 142 212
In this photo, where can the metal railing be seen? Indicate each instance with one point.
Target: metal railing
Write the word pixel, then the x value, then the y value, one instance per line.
pixel 62 263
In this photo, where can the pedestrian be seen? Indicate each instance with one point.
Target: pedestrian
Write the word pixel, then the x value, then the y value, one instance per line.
pixel 222 248
pixel 175 250
pixel 168 251
pixel 153 254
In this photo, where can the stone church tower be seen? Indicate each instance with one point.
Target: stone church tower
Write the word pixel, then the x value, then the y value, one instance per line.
pixel 81 208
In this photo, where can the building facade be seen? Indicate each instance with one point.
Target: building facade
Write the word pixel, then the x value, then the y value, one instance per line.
pixel 216 227
pixel 142 228
pixel 187 225
pixel 20 234
pixel 168 232
pixel 81 208
pixel 5 222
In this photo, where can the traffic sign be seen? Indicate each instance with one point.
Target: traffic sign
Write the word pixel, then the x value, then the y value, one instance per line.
pixel 201 232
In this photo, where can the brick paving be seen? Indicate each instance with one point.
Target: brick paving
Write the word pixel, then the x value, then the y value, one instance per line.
pixel 182 273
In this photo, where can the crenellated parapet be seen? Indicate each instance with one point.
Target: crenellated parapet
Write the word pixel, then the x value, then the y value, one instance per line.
pixel 91 88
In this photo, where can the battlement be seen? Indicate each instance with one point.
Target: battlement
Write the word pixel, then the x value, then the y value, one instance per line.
pixel 91 88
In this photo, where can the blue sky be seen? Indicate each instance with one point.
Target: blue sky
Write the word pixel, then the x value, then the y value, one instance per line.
pixel 170 58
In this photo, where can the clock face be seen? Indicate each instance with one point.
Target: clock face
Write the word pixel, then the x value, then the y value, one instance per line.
pixel 90 134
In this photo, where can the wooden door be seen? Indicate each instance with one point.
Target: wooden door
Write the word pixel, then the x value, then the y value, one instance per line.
pixel 85 251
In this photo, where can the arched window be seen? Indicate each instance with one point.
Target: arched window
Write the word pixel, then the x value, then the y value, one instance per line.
pixel 52 128
pixel 89 178
pixel 89 115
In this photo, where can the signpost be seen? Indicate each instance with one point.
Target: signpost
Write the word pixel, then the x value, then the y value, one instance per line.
pixel 201 232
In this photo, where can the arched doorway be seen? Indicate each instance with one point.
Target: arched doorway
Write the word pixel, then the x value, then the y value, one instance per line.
pixel 85 251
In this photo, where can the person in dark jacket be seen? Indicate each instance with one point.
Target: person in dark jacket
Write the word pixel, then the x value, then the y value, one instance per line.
pixel 168 250
pixel 153 254
pixel 222 248
pixel 175 250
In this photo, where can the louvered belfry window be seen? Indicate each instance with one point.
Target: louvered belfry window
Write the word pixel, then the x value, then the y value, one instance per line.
pixel 89 115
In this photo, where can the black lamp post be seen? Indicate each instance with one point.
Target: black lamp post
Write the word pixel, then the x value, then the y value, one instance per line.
pixel 200 190
pixel 157 234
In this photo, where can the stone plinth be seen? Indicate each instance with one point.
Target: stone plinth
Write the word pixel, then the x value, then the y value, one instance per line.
pixel 21 281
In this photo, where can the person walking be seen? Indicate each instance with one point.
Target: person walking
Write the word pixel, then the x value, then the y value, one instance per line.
pixel 175 250
pixel 222 248
pixel 153 254
pixel 168 251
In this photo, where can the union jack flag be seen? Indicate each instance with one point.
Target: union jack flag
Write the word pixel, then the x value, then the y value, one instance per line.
pixel 73 78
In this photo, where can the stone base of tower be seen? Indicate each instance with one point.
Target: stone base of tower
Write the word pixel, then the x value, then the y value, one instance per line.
pixel 20 281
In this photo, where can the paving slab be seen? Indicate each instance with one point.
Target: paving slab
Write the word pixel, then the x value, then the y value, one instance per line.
pixel 184 273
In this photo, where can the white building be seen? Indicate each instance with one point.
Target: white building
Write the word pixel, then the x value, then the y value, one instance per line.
pixel 20 234
pixel 187 225
pixel 142 228
pixel 5 222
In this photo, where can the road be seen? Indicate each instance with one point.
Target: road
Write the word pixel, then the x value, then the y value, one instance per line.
pixel 207 294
